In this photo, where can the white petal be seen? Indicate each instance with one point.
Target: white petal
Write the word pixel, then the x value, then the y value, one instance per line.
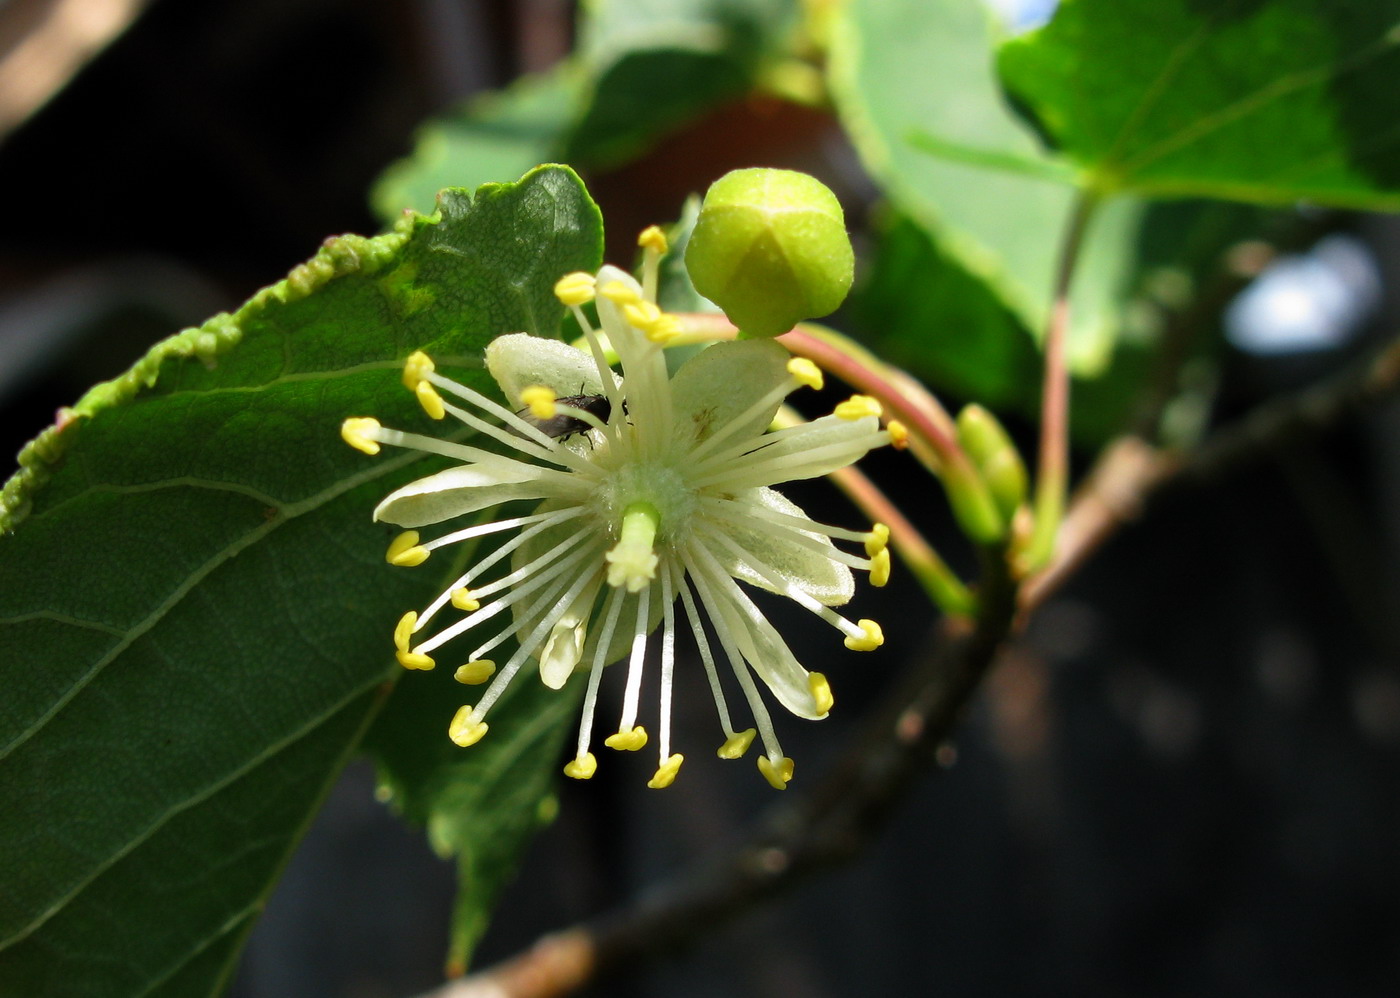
pixel 771 659
pixel 823 446
pixel 457 491
pixel 719 383
pixel 826 580
pixel 562 651
pixel 519 360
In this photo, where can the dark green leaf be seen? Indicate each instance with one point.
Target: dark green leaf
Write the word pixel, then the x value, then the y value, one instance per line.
pixel 642 70
pixel 196 610
pixel 1255 100
pixel 490 139
pixel 659 63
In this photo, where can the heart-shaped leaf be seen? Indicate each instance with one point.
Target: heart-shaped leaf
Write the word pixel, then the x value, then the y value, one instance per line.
pixel 195 612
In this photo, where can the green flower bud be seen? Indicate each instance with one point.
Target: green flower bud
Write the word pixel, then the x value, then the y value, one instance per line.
pixel 995 456
pixel 770 248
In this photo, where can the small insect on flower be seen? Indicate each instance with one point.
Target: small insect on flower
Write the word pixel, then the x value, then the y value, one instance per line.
pixel 561 426
pixel 654 524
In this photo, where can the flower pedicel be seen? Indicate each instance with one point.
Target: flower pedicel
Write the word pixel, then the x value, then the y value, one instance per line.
pixel 664 500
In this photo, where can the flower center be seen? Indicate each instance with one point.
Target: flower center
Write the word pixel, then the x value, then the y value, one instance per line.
pixel 642 504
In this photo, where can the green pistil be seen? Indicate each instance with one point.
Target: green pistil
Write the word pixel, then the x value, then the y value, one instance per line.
pixel 632 561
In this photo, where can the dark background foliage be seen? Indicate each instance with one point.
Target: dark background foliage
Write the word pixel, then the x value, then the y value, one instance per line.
pixel 1183 781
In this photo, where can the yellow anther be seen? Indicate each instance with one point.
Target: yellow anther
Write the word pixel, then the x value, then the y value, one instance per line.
pixel 541 400
pixel 430 400
pixel 873 638
pixel 899 434
pixel 466 727
pixel 403 630
pixel 880 568
pixel 356 431
pixel 666 772
pixel 778 774
pixel 627 741
pixel 663 329
pixel 414 660
pixel 576 288
pixel 806 372
pixel 857 407
pixel 417 368
pixel 462 599
pixel 475 672
pixel 821 692
pixel 405 550
pixel 736 745
pixel 654 239
pixel 640 313
pixel 619 293
pixel 877 540
pixel 581 768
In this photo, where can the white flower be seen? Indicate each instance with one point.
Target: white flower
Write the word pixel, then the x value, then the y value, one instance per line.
pixel 649 489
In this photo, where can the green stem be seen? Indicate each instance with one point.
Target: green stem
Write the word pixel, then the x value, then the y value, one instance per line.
pixel 1052 477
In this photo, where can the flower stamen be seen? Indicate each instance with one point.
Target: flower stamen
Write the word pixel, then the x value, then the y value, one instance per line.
pixel 475 672
pixel 777 770
pixel 611 610
pixel 575 289
pixel 359 433
pixel 653 243
pixel 632 695
pixel 405 551
pixel 857 407
pixel 872 637
pixel 430 400
pixel 666 496
pixel 467 727
pixel 540 401
pixel 666 772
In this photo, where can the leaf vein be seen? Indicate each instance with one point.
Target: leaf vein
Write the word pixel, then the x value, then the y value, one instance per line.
pixel 1250 103
pixel 290 512
pixel 63 618
pixel 204 793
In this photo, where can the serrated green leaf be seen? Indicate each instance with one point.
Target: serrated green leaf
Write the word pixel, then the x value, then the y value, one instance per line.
pixel 915 86
pixel 1255 100
pixel 194 607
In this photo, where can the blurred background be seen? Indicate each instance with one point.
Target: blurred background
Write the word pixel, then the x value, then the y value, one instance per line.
pixel 1182 781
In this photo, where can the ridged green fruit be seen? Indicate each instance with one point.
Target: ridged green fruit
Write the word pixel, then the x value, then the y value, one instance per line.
pixel 770 248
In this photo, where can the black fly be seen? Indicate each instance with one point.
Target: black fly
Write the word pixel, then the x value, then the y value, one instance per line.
pixel 562 426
